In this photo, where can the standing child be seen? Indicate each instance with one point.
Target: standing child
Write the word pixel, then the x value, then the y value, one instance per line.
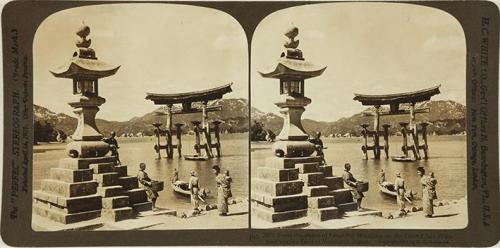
pixel 229 181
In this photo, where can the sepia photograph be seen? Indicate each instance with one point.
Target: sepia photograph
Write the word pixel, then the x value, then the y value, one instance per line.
pixel 140 119
pixel 250 123
pixel 362 120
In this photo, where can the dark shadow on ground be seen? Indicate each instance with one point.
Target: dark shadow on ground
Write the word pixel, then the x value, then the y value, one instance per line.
pixel 443 215
pixel 240 213
pixel 42 150
pixel 258 148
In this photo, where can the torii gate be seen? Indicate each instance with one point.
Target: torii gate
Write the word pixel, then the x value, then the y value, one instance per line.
pixel 186 100
pixel 394 101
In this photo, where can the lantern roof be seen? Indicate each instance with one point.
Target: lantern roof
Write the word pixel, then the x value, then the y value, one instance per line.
pixel 85 68
pixel 292 64
pixel 84 63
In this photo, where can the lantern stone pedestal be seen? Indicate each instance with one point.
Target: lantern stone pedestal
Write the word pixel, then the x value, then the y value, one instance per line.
pixel 87 188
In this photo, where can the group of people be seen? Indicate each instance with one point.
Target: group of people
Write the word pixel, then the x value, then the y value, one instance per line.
pixel 428 183
pixel 223 181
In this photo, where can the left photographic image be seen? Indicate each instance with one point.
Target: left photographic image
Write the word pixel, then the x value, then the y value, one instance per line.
pixel 140 119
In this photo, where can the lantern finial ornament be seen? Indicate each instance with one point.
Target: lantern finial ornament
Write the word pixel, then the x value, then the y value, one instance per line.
pixel 291 34
pixel 83 44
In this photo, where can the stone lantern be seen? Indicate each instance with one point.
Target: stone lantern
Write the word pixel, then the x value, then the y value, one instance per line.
pixel 85 70
pixel 295 184
pixel 292 70
pixel 89 184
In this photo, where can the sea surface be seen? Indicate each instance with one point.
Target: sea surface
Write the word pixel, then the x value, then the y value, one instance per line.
pixel 136 150
pixel 447 159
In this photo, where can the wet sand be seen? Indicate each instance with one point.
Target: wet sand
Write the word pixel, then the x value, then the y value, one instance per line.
pixel 452 215
pixel 238 214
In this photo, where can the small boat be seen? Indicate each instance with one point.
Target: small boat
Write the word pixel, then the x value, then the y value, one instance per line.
pixel 388 189
pixel 182 188
pixel 402 159
pixel 195 157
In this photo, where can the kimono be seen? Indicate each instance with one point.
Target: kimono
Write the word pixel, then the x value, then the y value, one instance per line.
pixel 145 182
pixel 113 143
pixel 399 186
pixel 318 147
pixel 381 177
pixel 223 191
pixel 194 188
pixel 351 183
pixel 428 194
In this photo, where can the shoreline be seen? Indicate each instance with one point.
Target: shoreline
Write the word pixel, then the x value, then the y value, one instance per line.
pixel 208 218
pixel 447 215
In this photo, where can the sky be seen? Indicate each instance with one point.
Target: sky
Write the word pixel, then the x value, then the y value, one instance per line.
pixel 161 48
pixel 369 48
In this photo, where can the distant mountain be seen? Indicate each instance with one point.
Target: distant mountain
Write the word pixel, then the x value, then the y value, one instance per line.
pixel 234 118
pixel 446 117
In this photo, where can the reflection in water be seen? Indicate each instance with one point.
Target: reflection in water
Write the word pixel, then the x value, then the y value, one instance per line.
pixel 136 150
pixel 447 161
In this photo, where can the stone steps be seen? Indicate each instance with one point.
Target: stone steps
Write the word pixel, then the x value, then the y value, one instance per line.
pixel 117 214
pixel 333 182
pixel 86 188
pixel 348 207
pixel 312 179
pixel 128 182
pixel 312 191
pixel 66 189
pixel 69 205
pixel 277 175
pixel 136 195
pixel 115 202
pixel 289 163
pixel 83 163
pixel 327 170
pixel 281 203
pixel 269 215
pixel 318 183
pixel 277 188
pixel 342 196
pixel 121 170
pixel 110 191
pixel 101 168
pixel 70 176
pixel 143 206
pixel 320 202
pixel 278 195
pixel 122 197
pixel 323 214
pixel 307 167
pixel 62 217
pixel 106 179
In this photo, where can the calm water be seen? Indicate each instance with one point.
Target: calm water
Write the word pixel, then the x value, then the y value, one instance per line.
pixel 447 161
pixel 136 150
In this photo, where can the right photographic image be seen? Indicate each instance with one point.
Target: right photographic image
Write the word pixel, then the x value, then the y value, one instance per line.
pixel 358 118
